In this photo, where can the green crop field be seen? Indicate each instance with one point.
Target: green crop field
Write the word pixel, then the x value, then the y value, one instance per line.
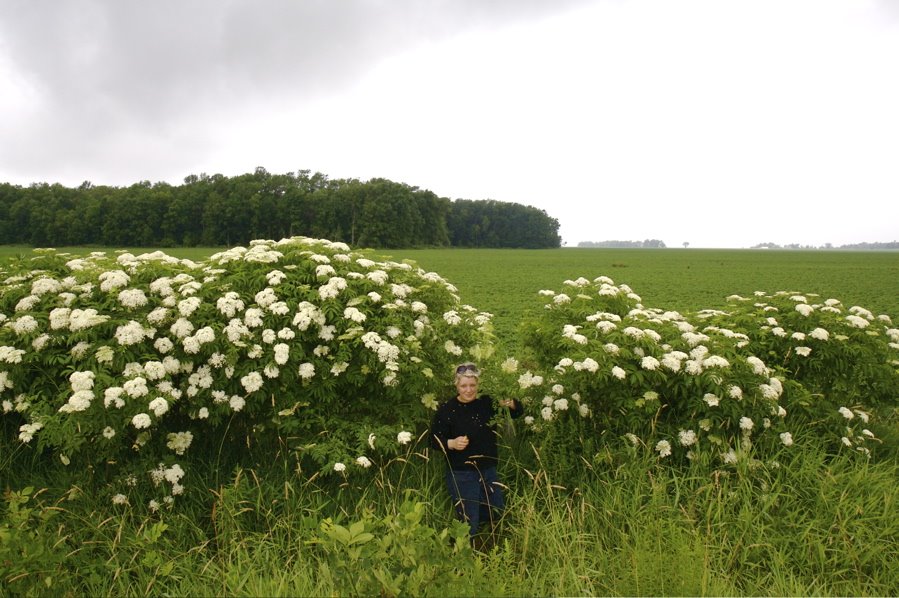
pixel 505 282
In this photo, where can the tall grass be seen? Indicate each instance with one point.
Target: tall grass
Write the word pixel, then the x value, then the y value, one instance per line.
pixel 814 524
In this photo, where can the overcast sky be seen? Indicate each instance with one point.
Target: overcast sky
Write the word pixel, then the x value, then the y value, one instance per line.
pixel 720 123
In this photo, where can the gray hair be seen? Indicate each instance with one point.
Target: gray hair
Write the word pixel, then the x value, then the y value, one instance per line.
pixel 467 370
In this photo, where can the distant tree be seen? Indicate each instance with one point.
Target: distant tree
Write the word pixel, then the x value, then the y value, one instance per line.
pixel 217 210
pixel 490 223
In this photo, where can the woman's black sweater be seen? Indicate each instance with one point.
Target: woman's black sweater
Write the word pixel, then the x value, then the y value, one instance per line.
pixel 475 420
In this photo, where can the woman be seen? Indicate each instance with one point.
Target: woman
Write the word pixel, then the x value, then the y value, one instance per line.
pixel 464 429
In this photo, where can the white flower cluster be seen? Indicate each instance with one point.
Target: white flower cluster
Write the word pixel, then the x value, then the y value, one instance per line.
pixel 179 441
pixel 82 384
pixel 172 475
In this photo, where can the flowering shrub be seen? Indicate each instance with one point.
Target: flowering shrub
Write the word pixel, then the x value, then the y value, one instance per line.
pixel 610 372
pixel 842 355
pixel 104 358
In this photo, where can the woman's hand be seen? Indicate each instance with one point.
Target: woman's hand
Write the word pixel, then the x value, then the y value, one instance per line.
pixel 457 444
pixel 509 403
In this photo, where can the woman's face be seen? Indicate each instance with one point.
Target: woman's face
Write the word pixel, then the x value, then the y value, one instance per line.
pixel 467 386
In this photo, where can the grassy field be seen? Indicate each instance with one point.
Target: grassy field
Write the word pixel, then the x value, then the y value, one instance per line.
pixel 505 282
pixel 682 280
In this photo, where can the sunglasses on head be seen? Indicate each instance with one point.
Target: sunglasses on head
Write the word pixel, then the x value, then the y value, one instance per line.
pixel 467 369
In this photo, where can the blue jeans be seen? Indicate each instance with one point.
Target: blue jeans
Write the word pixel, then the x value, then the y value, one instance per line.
pixel 475 494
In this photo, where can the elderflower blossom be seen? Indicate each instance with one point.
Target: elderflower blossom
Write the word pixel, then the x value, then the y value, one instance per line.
pixel 618 372
pixel 711 399
pixel 352 313
pixel 589 364
pixel 159 406
pixel 746 424
pixel 856 321
pixel 686 437
pixel 131 333
pixel 112 280
pixel 132 298
pixel 306 370
pixel 136 387
pixel 404 437
pixel 452 318
pixel 81 319
pixel 819 334
pixel 363 461
pixel 79 401
pixel 339 368
pixel 715 361
pixel 452 348
pixel 253 317
pixel 786 438
pixel 758 366
pixel 141 420
pixel 663 447
pixel 179 441
pixel 236 402
pixel 27 431
pixel 282 353
pixel 649 363
pixel 252 382
pixel 112 397
pixel 847 413
pixel 104 354
pixel 230 304
pixel 605 326
pixel 804 309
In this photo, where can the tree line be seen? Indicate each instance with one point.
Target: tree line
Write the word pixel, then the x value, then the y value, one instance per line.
pixel 226 211
pixel 879 246
pixel 648 243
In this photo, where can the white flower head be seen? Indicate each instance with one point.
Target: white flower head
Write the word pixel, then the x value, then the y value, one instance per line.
pixel 663 447
pixel 510 365
pixel 687 437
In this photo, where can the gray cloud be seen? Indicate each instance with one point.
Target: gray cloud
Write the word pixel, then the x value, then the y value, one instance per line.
pixel 109 74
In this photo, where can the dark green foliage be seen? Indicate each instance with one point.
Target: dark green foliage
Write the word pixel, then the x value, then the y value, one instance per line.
pixel 218 210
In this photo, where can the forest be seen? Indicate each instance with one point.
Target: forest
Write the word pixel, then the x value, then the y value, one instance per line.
pixel 218 210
